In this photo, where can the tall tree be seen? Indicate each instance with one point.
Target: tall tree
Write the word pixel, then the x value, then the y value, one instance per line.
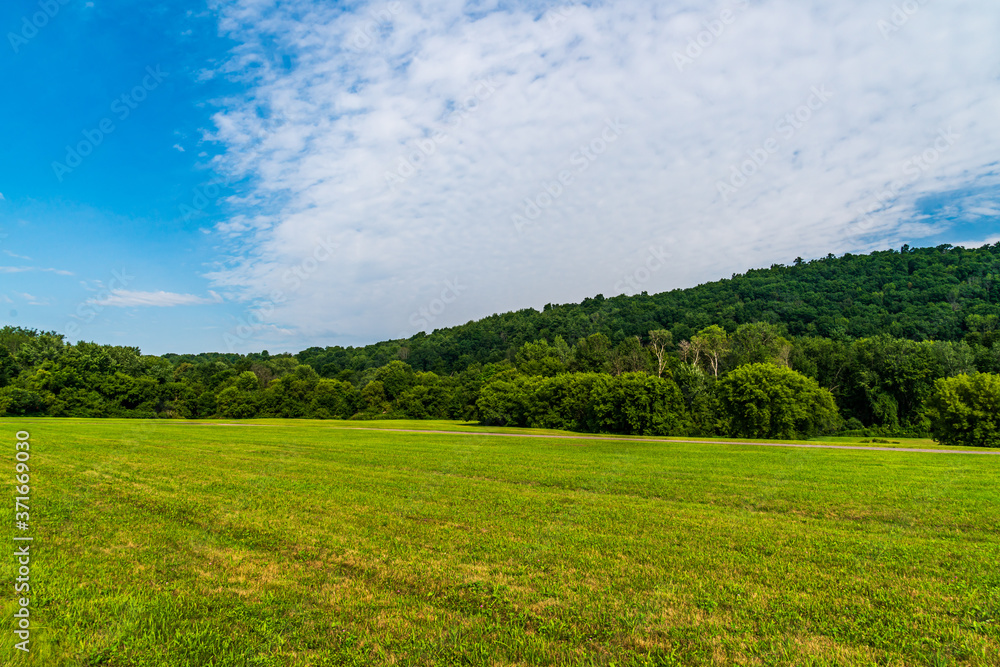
pixel 759 343
pixel 713 343
pixel 660 341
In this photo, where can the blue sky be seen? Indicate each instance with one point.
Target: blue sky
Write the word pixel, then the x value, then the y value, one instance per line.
pixel 287 174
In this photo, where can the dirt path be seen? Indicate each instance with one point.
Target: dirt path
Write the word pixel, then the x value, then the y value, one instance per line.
pixel 610 439
pixel 697 442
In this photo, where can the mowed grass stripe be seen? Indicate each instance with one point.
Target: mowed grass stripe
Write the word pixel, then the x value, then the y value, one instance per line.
pixel 842 442
pixel 201 545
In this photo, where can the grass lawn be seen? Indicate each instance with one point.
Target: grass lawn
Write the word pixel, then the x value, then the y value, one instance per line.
pixel 473 427
pixel 330 543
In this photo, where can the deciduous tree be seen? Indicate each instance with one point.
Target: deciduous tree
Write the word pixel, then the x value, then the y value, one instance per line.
pixel 965 410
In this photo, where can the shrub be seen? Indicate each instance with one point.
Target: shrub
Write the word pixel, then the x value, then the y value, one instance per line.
pixel 19 402
pixel 965 410
pixel 631 403
pixel 768 401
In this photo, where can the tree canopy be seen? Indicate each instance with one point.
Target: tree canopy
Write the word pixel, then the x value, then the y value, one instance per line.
pixel 873 344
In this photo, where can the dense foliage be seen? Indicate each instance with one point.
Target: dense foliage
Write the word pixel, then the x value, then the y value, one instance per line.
pixel 857 343
pixel 943 293
pixel 763 400
pixel 630 403
pixel 965 410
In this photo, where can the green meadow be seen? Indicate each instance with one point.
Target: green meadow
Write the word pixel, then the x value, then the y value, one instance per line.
pixel 180 544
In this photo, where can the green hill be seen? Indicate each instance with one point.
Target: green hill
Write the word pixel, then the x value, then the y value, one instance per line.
pixel 943 293
pixel 849 343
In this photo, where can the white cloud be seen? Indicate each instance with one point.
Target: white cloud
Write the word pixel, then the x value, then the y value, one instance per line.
pixel 901 116
pixel 978 244
pixel 29 269
pixel 129 298
pixel 32 299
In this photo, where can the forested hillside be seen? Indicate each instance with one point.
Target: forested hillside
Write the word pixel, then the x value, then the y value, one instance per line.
pixel 853 343
pixel 942 293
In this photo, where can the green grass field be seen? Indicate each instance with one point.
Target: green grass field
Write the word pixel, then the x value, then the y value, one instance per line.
pixel 318 543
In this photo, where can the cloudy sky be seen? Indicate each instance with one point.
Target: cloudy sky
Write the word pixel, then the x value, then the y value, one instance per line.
pixel 256 174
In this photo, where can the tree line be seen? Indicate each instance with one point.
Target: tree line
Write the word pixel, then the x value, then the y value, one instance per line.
pixel 944 293
pixel 756 382
pixel 786 352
